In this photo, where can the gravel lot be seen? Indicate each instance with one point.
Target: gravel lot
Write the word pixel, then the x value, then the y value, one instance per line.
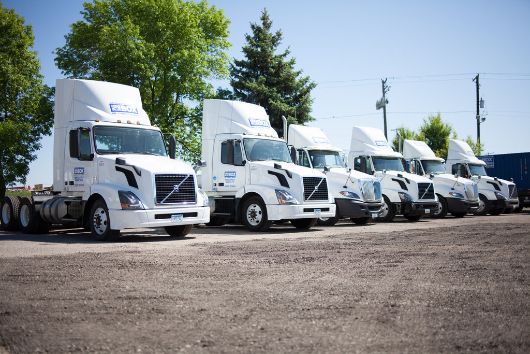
pixel 450 285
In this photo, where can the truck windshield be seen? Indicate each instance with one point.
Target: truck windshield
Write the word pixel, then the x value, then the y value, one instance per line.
pixel 388 164
pixel 118 140
pixel 434 167
pixel 266 150
pixel 477 170
pixel 323 158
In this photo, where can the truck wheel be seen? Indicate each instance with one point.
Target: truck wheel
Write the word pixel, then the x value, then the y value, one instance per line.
pixel 441 212
pixel 29 220
pixel 484 206
pixel 361 221
pixel 496 211
pixel 413 217
pixel 217 221
pixel 387 211
pixel 255 215
pixel 178 231
pixel 304 224
pixel 100 222
pixel 9 210
pixel 329 221
pixel 458 215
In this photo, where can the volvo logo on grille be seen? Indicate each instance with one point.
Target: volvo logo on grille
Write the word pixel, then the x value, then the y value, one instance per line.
pixel 176 188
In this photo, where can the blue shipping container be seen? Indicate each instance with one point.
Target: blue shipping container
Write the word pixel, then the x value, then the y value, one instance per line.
pixel 508 166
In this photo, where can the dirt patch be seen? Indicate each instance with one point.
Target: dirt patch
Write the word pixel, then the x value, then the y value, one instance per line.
pixel 438 289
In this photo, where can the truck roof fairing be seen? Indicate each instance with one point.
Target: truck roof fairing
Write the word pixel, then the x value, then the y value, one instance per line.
pixel 414 149
pixel 88 100
pixel 234 117
pixel 301 136
pixel 371 141
pixel 459 151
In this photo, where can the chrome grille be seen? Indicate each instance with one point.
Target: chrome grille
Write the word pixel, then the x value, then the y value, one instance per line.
pixel 315 188
pixel 371 190
pixel 425 191
pixel 175 189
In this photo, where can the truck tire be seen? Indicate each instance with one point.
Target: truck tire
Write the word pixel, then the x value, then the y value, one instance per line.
pixel 413 218
pixel 304 224
pixel 484 206
pixel 254 215
pixel 496 211
pixel 442 208
pixel 217 221
pixel 29 220
pixel 458 215
pixel 100 222
pixel 178 231
pixel 9 213
pixel 387 211
pixel 361 221
pixel 329 221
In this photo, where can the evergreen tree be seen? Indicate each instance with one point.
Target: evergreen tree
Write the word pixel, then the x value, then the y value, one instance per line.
pixel 269 79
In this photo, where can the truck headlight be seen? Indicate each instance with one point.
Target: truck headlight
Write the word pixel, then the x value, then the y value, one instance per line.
pixel 499 196
pixel 349 194
pixel 129 200
pixel 285 197
pixel 405 198
pixel 457 195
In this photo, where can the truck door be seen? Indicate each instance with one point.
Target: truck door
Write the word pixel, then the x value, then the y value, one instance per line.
pixel 79 160
pixel 231 174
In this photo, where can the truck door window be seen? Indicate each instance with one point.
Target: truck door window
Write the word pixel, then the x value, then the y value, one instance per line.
pixel 84 145
pixel 238 157
pixel 455 169
pixel 302 158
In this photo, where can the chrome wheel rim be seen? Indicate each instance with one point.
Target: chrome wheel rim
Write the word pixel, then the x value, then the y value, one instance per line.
pixel 254 214
pixel 6 213
pixel 100 221
pixel 24 215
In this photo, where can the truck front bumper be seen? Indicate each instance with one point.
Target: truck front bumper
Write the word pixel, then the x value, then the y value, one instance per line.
pixel 350 208
pixel 135 219
pixel 422 208
pixel 300 211
pixel 459 205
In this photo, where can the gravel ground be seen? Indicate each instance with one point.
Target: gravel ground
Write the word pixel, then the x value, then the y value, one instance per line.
pixel 449 285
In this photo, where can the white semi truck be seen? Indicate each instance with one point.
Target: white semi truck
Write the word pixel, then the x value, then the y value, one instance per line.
pixel 404 193
pixel 248 174
pixel 495 195
pixel 111 169
pixel 357 195
pixel 456 195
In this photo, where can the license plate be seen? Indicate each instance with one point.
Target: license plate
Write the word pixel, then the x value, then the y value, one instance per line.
pixel 427 211
pixel 317 211
pixel 177 218
pixel 374 215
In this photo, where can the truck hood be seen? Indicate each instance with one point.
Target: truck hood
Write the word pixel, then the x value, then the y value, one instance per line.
pixel 459 184
pixel 507 188
pixel 366 186
pixel 149 163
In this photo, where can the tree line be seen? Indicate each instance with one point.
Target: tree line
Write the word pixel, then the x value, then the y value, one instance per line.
pixel 170 50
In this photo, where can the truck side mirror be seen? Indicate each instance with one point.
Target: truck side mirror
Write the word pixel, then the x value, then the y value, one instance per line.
pixel 294 155
pixel 74 144
pixel 172 147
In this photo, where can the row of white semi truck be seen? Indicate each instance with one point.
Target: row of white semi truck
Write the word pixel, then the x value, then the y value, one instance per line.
pixel 112 171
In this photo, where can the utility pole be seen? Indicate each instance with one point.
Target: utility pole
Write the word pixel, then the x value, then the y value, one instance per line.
pixel 382 103
pixel 478 112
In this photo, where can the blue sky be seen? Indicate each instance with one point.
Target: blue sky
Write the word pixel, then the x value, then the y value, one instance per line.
pixel 428 50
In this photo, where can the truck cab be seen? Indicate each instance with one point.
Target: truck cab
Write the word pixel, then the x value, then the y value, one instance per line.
pixel 357 195
pixel 404 193
pixel 249 176
pixel 111 168
pixel 456 195
pixel 495 194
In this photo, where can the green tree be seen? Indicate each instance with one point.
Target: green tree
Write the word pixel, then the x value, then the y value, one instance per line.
pixel 478 149
pixel 405 134
pixel 269 79
pixel 26 104
pixel 436 134
pixel 169 49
